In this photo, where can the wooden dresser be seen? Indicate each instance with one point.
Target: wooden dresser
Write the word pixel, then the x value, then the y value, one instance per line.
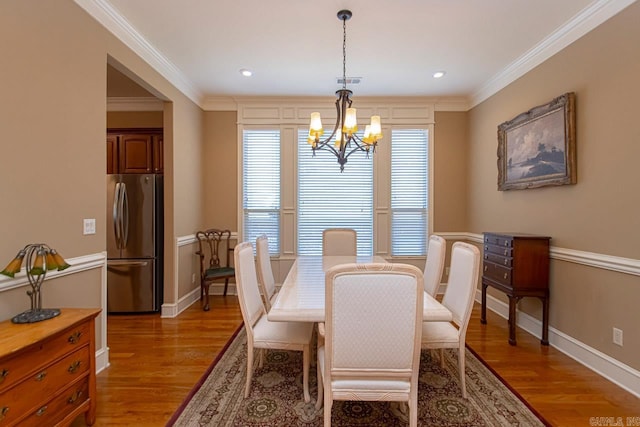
pixel 518 265
pixel 47 370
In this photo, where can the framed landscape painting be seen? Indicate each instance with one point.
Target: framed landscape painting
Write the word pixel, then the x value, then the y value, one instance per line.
pixel 538 147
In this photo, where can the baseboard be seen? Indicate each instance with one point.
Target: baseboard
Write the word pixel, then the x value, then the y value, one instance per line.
pixel 172 310
pixel 618 373
pixel 102 359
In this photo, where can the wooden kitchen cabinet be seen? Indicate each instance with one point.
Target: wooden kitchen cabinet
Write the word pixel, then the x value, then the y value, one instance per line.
pixel 518 265
pixel 48 370
pixel 134 151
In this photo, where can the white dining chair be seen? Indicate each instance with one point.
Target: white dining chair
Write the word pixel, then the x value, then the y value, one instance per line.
pixel 339 241
pixel 371 351
pixel 265 273
pixel 434 265
pixel 458 298
pixel 261 333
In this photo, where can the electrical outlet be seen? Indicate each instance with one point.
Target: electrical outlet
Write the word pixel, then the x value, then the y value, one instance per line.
pixel 617 336
pixel 193 278
pixel 89 226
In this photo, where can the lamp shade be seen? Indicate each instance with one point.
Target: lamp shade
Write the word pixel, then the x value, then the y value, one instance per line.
pixel 315 127
pixel 376 129
pixel 350 122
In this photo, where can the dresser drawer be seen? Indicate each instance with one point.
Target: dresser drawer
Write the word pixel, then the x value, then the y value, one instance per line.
pixel 59 407
pixel 498 240
pixel 504 261
pixel 40 386
pixel 498 250
pixel 14 369
pixel 497 273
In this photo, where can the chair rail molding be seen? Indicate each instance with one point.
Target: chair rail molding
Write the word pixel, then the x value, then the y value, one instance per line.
pixel 591 259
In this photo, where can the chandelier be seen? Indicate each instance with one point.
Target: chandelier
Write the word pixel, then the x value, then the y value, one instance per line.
pixel 346 141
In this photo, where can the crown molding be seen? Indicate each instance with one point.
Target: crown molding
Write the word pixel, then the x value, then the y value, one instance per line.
pixel 585 21
pixel 134 104
pixel 232 103
pixel 578 26
pixel 110 18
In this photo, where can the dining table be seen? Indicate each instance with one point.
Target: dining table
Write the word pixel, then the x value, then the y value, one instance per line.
pixel 302 295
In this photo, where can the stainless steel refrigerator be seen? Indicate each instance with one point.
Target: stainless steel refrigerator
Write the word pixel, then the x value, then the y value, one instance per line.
pixel 134 242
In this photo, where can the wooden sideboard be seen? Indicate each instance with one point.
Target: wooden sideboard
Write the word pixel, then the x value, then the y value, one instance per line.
pixel 518 265
pixel 48 371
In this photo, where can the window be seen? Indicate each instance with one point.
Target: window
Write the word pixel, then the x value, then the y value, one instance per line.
pixel 409 191
pixel 328 198
pixel 261 186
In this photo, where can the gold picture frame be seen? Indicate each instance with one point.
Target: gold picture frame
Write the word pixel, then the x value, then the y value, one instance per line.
pixel 538 147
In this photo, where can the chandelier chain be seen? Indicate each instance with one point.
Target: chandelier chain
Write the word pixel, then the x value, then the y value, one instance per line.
pixel 344 53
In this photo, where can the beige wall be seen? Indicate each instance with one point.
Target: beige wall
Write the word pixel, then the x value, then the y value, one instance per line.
pixel 54 118
pixel 600 213
pixel 220 164
pixel 135 119
pixel 450 172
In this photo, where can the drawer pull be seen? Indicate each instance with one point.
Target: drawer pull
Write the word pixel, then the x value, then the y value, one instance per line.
pixel 74 366
pixel 41 376
pixel 486 256
pixel 3 375
pixel 506 252
pixel 505 275
pixel 75 337
pixel 40 412
pixel 486 248
pixel 3 412
pixel 74 397
pixel 506 243
pixel 486 267
pixel 506 261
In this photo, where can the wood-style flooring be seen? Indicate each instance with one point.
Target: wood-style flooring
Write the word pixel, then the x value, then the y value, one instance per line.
pixel 155 362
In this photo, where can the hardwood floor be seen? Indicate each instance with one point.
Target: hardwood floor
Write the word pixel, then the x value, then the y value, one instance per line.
pixel 155 362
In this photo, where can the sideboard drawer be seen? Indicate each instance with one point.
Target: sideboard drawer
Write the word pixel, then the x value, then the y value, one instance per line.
pixel 504 261
pixel 55 410
pixel 14 369
pixel 499 240
pixel 497 273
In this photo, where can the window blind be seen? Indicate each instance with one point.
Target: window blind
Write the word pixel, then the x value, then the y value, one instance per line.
pixel 409 191
pixel 261 186
pixel 328 198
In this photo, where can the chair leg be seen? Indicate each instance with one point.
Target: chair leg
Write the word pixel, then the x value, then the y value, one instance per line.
pixel 247 386
pixel 226 285
pixel 461 358
pixel 205 296
pixel 413 409
pixel 328 402
pixel 305 372
pixel 320 387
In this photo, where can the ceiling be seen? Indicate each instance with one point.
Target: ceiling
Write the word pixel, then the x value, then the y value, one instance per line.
pixel 294 47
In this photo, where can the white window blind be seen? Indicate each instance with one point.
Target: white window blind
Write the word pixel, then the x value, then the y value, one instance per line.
pixel 409 191
pixel 328 198
pixel 261 186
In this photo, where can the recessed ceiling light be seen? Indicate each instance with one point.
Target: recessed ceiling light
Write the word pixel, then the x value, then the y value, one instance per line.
pixel 438 74
pixel 245 72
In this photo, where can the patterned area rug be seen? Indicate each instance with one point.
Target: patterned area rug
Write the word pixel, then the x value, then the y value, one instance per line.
pixel 276 396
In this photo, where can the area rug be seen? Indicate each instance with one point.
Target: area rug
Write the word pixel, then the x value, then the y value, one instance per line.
pixel 276 396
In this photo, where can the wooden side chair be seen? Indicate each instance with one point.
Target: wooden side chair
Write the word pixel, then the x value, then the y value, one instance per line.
pixel 215 254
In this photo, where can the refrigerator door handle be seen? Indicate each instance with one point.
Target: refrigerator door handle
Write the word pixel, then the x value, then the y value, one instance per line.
pixel 124 220
pixel 115 215
pixel 116 263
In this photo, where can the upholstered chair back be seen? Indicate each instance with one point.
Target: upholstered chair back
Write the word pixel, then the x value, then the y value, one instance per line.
pixel 462 284
pixel 340 241
pixel 434 265
pixel 247 285
pixel 265 273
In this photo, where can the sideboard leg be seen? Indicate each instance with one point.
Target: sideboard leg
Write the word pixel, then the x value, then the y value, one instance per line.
pixel 483 311
pixel 512 319
pixel 545 320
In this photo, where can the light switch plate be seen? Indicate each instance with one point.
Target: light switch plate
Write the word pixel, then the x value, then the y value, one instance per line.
pixel 89 226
